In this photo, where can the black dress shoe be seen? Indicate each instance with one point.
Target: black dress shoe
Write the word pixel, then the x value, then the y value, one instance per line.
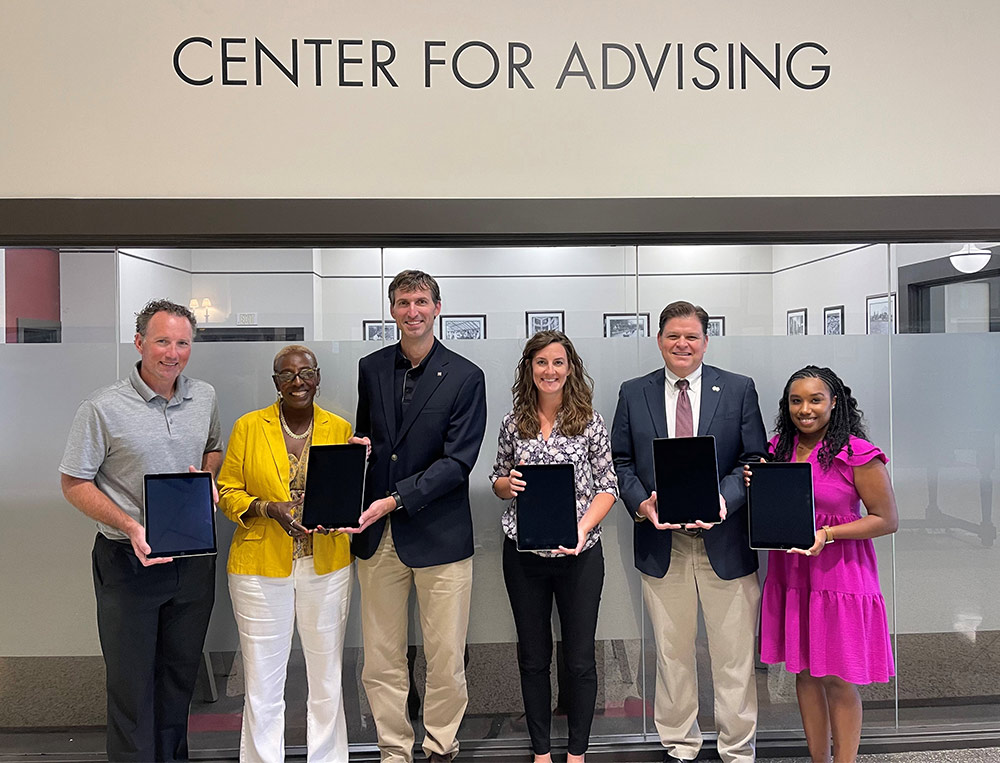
pixel 437 757
pixel 668 758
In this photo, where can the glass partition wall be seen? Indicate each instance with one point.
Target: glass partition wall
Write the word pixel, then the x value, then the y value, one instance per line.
pixel 856 308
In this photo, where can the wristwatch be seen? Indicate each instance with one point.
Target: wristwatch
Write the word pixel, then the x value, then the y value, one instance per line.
pixel 397 499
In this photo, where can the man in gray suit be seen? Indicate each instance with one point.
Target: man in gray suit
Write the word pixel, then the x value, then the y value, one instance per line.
pixel 684 565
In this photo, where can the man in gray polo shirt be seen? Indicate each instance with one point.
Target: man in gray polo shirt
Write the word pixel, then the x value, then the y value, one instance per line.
pixel 152 614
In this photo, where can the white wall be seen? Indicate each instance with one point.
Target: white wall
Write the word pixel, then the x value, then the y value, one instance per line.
pixel 819 277
pixel 584 282
pixel 207 261
pixel 866 131
pixel 330 292
pixel 88 292
pixel 317 294
pixel 694 260
pixel 146 274
pixel 177 258
pixel 279 299
pixel 788 255
pixel 277 284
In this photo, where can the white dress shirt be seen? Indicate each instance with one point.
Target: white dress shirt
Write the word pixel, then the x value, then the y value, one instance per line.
pixel 671 395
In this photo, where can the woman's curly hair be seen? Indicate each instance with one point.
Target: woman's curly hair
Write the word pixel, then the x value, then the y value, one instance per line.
pixel 846 418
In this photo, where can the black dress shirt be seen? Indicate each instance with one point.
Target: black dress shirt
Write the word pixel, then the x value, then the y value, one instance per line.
pixel 407 377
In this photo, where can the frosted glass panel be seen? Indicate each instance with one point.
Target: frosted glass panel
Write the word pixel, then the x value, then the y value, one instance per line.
pixel 46 542
pixel 928 400
pixel 947 440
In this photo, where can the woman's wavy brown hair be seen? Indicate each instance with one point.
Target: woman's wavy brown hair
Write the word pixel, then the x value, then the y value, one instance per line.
pixel 577 407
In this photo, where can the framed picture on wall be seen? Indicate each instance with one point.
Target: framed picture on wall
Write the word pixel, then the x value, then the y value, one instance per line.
pixel 833 320
pixel 717 325
pixel 626 324
pixel 881 313
pixel 543 320
pixel 379 331
pixel 463 326
pixel 796 322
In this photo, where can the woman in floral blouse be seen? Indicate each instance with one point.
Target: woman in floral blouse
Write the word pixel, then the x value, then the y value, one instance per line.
pixel 554 421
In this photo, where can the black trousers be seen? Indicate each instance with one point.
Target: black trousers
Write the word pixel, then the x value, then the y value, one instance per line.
pixel 575 582
pixel 152 623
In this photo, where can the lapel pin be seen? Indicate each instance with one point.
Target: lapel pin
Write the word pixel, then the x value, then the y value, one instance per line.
pixel 439 373
pixel 715 389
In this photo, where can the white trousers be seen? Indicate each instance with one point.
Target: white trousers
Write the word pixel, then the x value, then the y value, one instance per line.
pixel 266 610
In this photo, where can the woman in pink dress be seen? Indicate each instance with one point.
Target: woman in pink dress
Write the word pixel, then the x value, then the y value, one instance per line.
pixel 822 610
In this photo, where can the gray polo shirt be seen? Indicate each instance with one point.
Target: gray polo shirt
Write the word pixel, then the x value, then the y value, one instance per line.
pixel 126 430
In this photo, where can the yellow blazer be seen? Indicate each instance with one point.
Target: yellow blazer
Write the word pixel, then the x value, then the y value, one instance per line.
pixel 256 466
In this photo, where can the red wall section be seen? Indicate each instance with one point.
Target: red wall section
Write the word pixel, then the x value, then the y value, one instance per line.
pixel 32 286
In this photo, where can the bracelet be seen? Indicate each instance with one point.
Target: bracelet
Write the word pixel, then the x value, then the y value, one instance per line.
pixel 829 535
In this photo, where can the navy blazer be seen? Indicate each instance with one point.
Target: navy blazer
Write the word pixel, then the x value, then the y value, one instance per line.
pixel 730 412
pixel 428 461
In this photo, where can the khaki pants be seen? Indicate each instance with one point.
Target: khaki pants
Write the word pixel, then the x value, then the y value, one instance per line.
pixel 444 593
pixel 730 611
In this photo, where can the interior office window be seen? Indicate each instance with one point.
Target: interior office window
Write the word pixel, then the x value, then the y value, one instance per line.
pixel 948 288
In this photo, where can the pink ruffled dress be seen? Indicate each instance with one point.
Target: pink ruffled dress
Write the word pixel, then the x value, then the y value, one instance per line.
pixel 826 614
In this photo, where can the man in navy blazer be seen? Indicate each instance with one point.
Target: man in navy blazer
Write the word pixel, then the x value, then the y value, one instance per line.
pixel 422 412
pixel 707 563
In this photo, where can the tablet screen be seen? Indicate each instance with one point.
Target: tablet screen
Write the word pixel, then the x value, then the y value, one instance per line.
pixel 687 480
pixel 546 508
pixel 780 506
pixel 179 514
pixel 335 486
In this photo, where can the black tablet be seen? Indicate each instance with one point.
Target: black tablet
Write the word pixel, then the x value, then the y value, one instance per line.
pixel 780 506
pixel 687 480
pixel 546 508
pixel 335 486
pixel 178 514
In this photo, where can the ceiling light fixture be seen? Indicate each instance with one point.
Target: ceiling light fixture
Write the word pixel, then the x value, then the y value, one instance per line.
pixel 970 258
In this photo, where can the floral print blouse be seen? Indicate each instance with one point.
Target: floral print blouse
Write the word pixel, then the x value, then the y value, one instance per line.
pixel 589 452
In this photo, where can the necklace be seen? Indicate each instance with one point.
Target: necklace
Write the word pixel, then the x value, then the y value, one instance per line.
pixel 288 430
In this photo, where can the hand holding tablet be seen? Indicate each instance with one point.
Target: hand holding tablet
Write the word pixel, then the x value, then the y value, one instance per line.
pixel 179 514
pixel 282 513
pixel 546 508
pixel 687 484
pixel 780 506
pixel 335 486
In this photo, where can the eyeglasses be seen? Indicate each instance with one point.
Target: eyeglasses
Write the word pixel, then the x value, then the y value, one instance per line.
pixel 305 374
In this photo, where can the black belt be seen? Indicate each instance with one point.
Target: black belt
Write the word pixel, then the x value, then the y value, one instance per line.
pixel 695 533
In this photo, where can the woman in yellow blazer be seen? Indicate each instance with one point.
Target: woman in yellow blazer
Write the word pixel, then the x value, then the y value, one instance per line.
pixel 280 573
